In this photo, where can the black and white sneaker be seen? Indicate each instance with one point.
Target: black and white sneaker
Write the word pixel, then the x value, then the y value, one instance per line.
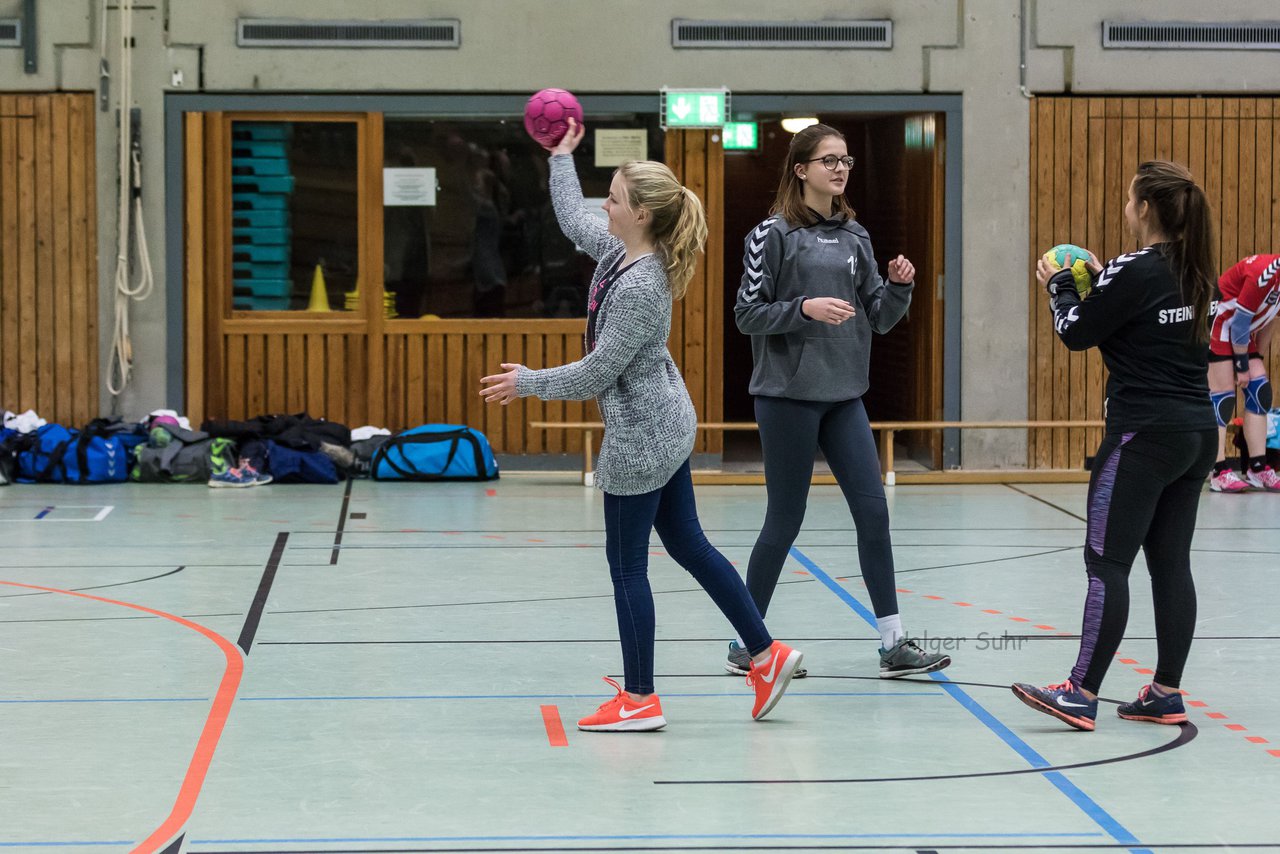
pixel 906 658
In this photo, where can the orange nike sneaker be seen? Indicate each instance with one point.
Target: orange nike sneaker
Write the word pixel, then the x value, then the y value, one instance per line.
pixel 621 714
pixel 772 678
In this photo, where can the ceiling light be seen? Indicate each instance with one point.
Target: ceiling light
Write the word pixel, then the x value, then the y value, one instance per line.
pixel 797 124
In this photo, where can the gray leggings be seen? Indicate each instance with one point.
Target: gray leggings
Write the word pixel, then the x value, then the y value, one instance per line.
pixel 791 431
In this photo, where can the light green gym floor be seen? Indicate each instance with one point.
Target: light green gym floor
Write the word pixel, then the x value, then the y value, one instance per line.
pixel 411 647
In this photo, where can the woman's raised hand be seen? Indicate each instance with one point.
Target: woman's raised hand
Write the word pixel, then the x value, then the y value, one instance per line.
pixel 827 310
pixel 901 271
pixel 571 138
pixel 500 388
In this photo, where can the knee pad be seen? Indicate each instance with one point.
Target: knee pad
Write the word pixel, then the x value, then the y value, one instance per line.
pixel 1224 406
pixel 1257 396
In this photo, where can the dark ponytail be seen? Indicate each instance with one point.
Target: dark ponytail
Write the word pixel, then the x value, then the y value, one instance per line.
pixel 1182 212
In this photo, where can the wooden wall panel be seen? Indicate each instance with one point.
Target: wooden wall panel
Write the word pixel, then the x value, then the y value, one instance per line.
pixel 48 257
pixel 1083 152
pixel 697 327
pixel 10 321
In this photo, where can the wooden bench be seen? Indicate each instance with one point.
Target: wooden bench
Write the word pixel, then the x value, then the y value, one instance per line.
pixel 886 429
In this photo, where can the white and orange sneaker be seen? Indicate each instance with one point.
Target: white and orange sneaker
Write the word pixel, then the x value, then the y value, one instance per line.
pixel 771 678
pixel 621 714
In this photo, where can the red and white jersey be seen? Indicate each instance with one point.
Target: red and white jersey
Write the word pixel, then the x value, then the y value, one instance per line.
pixel 1254 285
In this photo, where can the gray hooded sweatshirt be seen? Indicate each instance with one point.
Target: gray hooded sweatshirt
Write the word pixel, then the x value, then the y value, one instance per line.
pixel 785 264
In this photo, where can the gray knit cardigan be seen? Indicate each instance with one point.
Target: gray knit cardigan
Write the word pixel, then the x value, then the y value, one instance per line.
pixel 649 419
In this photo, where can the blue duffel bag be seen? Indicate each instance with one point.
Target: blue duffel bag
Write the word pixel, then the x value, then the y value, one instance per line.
pixel 435 452
pixel 54 454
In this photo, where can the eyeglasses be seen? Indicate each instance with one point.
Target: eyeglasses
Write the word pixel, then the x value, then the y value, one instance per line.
pixel 831 161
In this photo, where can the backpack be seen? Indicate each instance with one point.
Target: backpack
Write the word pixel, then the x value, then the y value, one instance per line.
pixel 435 452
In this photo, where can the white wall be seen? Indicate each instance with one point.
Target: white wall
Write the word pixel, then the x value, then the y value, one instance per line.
pixel 969 47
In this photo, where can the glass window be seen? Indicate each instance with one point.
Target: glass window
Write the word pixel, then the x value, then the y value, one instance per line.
pixel 468 227
pixel 294 216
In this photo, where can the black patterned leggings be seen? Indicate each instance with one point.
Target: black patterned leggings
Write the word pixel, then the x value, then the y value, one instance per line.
pixel 1144 492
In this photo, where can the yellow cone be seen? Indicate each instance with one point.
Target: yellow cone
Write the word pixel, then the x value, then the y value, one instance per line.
pixel 319 296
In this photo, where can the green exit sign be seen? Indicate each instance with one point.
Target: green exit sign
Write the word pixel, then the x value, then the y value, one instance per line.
pixel 741 136
pixel 694 108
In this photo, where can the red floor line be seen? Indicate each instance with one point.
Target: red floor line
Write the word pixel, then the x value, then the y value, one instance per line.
pixel 214 724
pixel 555 729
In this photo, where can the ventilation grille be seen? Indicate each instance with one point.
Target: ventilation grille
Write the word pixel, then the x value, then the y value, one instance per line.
pixel 10 32
pixel 782 34
pixel 260 32
pixel 1255 35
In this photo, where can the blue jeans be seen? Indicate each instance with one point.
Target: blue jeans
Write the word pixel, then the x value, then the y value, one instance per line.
pixel 672 512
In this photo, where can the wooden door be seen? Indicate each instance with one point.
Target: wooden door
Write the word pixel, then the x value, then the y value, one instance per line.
pixel 48 257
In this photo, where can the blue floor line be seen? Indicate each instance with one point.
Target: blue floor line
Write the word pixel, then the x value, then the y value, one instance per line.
pixel 105 842
pixel 622 837
pixel 111 700
pixel 1090 807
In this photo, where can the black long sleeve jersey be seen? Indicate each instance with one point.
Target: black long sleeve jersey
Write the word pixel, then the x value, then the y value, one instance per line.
pixel 1136 316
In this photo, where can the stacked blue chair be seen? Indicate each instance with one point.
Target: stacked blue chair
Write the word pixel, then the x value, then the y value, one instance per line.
pixel 261 232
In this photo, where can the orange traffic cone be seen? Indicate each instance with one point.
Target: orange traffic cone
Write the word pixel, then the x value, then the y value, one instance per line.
pixel 319 296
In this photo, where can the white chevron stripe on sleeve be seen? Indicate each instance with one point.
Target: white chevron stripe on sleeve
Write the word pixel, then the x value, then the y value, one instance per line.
pixel 1116 265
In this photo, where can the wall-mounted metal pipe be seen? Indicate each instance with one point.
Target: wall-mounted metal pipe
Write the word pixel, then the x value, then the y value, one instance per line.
pixel 1022 50
pixel 30 44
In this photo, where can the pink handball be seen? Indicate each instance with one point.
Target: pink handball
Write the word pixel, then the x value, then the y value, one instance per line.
pixel 546 115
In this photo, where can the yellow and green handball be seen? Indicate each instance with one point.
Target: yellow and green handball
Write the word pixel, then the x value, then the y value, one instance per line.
pixel 1057 259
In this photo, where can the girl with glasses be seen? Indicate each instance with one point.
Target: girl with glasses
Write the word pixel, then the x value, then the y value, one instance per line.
pixel 646 257
pixel 810 299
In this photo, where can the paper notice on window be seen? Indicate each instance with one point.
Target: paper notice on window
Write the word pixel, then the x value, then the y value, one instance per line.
pixel 411 188
pixel 615 147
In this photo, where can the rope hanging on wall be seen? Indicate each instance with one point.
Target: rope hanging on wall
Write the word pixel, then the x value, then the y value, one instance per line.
pixel 130 233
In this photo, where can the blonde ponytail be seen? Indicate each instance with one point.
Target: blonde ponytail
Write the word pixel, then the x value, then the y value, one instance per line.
pixel 679 229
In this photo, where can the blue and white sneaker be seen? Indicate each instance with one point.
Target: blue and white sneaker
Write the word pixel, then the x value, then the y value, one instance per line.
pixel 232 479
pixel 1154 708
pixel 1064 701
pixel 259 478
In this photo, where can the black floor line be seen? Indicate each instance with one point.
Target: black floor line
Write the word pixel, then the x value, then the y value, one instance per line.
pixel 260 598
pixel 1186 734
pixel 342 523
pixel 101 586
pixel 1045 502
